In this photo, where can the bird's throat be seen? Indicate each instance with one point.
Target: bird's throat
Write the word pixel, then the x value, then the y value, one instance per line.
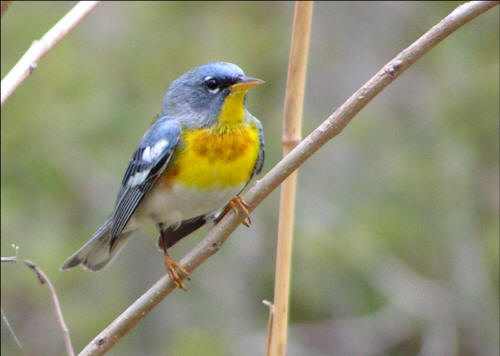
pixel 232 112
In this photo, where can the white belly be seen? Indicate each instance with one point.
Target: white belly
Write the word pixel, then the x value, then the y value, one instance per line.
pixel 178 204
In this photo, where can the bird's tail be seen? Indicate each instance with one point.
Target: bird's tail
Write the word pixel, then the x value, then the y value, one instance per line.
pixel 98 250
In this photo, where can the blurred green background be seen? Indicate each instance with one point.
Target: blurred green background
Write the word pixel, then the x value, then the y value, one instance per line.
pixel 396 249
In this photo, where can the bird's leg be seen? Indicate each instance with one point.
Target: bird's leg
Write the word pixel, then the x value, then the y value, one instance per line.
pixel 233 204
pixel 170 263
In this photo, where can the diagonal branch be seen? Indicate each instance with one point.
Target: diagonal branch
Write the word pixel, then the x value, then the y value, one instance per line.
pixel 331 127
pixel 28 62
pixel 43 279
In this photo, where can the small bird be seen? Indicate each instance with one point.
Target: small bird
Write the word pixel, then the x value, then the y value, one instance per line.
pixel 189 167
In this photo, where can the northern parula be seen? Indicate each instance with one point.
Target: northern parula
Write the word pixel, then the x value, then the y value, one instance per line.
pixel 189 167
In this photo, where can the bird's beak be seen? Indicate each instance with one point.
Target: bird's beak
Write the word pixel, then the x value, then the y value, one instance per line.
pixel 245 83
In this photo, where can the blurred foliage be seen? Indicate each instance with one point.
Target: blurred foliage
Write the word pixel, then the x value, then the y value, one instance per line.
pixel 396 246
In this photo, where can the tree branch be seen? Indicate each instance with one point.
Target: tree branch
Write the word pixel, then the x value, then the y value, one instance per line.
pixel 29 61
pixel 43 279
pixel 331 127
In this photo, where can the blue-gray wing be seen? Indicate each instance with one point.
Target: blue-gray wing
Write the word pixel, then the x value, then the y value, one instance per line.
pixel 148 162
pixel 260 158
pixel 257 168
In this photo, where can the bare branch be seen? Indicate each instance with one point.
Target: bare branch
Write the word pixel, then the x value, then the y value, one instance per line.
pixel 29 61
pixel 5 6
pixel 331 127
pixel 292 126
pixel 43 279
pixel 11 258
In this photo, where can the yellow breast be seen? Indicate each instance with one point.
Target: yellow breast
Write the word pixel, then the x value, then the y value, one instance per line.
pixel 210 158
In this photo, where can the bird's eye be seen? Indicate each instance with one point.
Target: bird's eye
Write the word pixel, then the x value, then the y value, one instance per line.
pixel 211 84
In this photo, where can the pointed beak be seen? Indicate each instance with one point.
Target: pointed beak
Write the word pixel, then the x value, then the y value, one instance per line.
pixel 245 83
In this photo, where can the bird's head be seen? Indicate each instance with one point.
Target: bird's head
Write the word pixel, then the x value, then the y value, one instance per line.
pixel 209 94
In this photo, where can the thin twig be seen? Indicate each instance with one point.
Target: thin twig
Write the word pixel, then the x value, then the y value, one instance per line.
pixel 29 61
pixel 9 259
pixel 269 325
pixel 9 327
pixel 43 279
pixel 331 127
pixel 292 124
pixel 5 7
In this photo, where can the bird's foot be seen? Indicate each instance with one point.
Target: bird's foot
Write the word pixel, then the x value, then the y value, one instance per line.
pixel 171 266
pixel 233 205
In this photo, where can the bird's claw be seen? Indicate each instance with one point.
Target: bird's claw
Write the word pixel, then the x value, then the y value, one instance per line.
pixel 233 205
pixel 171 266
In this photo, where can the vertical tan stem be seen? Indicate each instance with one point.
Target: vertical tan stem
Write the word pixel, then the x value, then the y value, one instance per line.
pixel 292 124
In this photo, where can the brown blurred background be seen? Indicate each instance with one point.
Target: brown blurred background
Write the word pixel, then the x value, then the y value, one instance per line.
pixel 396 249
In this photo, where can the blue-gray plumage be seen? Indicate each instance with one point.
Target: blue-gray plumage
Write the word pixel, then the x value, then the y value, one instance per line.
pixel 201 107
pixel 144 169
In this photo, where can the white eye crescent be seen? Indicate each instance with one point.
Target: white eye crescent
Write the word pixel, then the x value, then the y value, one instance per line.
pixel 211 84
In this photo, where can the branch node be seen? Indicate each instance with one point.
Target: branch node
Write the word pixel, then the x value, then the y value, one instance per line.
pixel 268 304
pixel 216 246
pixel 32 68
pixel 35 269
pixel 392 68
pixel 290 141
